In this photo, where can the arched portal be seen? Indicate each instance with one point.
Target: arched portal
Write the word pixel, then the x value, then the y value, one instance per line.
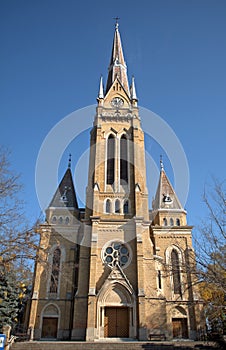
pixel 116 311
pixel 50 322
pixel 179 323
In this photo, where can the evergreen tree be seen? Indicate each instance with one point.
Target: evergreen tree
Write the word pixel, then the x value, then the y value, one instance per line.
pixel 10 295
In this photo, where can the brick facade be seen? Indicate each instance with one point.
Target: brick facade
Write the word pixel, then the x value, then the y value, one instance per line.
pixel 116 269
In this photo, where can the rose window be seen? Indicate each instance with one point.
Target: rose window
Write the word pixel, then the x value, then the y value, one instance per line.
pixel 116 253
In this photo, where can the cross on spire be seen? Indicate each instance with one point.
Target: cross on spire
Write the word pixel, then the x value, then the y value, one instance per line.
pixel 116 22
pixel 69 161
pixel 161 163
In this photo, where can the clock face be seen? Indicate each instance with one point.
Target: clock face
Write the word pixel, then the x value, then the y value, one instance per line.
pixel 117 102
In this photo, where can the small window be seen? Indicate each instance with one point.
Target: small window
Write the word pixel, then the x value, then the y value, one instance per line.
pixel 165 222
pixel 67 220
pixel 108 206
pixel 54 219
pixel 117 206
pixel 178 222
pixel 60 220
pixel 126 207
pixel 171 222
pixel 159 279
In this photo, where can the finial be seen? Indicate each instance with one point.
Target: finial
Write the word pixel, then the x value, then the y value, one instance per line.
pixel 116 22
pixel 133 90
pixel 101 88
pixel 161 163
pixel 69 161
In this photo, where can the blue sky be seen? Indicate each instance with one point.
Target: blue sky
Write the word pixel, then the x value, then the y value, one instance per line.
pixel 53 53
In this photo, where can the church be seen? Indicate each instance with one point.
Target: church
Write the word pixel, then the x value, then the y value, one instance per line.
pixel 115 269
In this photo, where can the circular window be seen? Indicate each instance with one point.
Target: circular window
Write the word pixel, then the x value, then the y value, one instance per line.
pixel 116 253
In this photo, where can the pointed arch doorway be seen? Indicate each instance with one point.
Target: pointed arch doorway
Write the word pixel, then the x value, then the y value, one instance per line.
pixel 116 311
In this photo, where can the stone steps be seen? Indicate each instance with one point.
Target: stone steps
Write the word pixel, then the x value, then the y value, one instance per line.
pixel 52 345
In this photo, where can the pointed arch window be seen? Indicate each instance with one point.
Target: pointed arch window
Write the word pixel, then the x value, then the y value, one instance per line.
pixel 165 221
pixel 117 206
pixel 178 222
pixel 126 207
pixel 108 206
pixel 171 222
pixel 123 160
pixel 54 219
pixel 55 273
pixel 110 160
pixel 176 272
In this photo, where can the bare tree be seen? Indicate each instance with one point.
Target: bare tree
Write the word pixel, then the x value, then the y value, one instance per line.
pixel 18 242
pixel 210 242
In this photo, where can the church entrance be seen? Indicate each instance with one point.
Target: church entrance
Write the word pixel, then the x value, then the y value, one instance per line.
pixel 49 327
pixel 116 322
pixel 180 328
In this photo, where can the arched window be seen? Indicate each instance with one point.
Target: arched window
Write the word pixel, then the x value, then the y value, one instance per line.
pixel 123 161
pixel 178 222
pixel 60 220
pixel 171 222
pixel 176 272
pixel 165 221
pixel 54 219
pixel 126 207
pixel 117 206
pixel 108 206
pixel 54 281
pixel 110 160
pixel 67 220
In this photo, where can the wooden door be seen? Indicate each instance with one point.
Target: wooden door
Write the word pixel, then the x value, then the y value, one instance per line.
pixel 116 322
pixel 49 327
pixel 180 328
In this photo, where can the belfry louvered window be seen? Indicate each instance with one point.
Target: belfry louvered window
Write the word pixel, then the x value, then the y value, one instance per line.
pixel 123 161
pixel 110 160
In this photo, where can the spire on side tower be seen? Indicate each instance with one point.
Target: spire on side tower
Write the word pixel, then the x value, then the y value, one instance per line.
pixel 165 196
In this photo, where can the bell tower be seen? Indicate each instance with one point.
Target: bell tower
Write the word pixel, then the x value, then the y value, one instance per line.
pixel 117 183
pixel 116 213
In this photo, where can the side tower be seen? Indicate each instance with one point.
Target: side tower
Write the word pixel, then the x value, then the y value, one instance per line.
pixel 176 310
pixel 56 269
pixel 116 217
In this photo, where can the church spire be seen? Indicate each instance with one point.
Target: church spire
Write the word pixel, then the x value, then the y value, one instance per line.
pixel 165 197
pixel 117 67
pixel 65 196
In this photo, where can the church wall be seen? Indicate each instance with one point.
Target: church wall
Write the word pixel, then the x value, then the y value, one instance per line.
pixel 42 297
pixel 81 296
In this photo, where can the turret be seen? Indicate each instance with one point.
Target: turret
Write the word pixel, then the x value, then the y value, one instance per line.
pixel 167 209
